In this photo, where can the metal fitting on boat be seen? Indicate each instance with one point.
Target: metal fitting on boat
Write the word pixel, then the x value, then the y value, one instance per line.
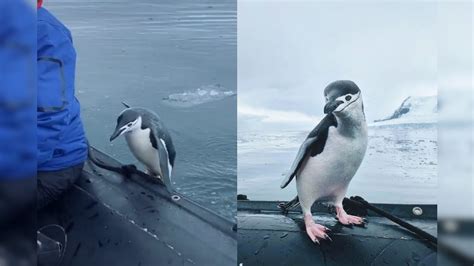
pixel 417 211
pixel 175 197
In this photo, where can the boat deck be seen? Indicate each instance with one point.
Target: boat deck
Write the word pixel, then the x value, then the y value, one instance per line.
pixel 268 237
pixel 112 220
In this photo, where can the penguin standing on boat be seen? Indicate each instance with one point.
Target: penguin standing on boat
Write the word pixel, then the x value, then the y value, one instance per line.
pixel 149 141
pixel 330 156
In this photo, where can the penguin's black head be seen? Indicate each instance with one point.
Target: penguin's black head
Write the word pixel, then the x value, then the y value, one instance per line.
pixel 340 95
pixel 127 121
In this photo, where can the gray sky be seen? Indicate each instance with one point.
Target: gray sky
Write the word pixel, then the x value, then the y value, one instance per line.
pixel 289 51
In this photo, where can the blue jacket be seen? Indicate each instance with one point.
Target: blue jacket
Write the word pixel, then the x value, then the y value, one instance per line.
pixel 61 139
pixel 17 90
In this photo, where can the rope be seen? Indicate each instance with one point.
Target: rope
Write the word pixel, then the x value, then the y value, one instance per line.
pixel 63 248
pixel 416 230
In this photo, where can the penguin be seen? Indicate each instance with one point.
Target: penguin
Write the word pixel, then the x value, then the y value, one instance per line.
pixel 330 156
pixel 148 140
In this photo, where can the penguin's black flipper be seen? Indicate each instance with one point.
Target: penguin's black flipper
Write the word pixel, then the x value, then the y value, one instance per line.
pixel 312 146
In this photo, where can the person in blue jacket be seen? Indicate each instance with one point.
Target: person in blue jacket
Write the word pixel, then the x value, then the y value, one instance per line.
pixel 62 145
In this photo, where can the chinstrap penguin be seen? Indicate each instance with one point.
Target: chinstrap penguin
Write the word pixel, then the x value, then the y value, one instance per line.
pixel 330 156
pixel 149 140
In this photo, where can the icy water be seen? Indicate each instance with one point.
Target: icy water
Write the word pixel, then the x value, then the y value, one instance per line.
pixel 400 165
pixel 178 59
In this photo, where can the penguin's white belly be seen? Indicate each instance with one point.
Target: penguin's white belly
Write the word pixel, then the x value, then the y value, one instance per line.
pixel 327 175
pixel 141 147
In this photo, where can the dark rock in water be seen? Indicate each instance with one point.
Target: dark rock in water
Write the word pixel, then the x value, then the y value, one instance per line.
pixel 242 197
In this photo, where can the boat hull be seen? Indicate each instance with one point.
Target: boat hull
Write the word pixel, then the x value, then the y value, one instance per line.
pixel 268 237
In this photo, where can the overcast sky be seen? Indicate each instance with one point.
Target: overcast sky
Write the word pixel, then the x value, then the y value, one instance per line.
pixel 289 51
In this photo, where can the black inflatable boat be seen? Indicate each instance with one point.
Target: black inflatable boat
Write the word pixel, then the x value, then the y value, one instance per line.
pixel 110 219
pixel 269 237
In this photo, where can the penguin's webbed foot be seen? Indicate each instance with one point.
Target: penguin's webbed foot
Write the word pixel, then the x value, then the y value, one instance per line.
pixel 347 219
pixel 316 232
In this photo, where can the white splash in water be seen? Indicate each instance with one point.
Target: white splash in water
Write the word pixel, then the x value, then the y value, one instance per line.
pixel 201 95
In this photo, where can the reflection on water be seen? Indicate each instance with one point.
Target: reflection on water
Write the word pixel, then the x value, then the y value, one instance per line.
pixel 144 51
pixel 400 165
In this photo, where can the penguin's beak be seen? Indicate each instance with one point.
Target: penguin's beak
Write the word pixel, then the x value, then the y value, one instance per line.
pixel 118 132
pixel 331 106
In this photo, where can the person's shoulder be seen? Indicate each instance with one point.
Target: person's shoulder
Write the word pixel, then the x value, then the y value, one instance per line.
pixel 45 17
pixel 49 25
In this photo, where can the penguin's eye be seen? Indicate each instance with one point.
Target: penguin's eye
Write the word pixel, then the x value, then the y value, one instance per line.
pixel 129 124
pixel 348 98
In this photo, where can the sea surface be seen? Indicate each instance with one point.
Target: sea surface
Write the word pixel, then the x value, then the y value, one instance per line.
pixel 177 59
pixel 400 165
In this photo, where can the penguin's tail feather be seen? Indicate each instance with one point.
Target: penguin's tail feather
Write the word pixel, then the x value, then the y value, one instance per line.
pixel 286 206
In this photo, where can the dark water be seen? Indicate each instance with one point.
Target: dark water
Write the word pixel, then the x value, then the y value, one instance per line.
pixel 143 51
